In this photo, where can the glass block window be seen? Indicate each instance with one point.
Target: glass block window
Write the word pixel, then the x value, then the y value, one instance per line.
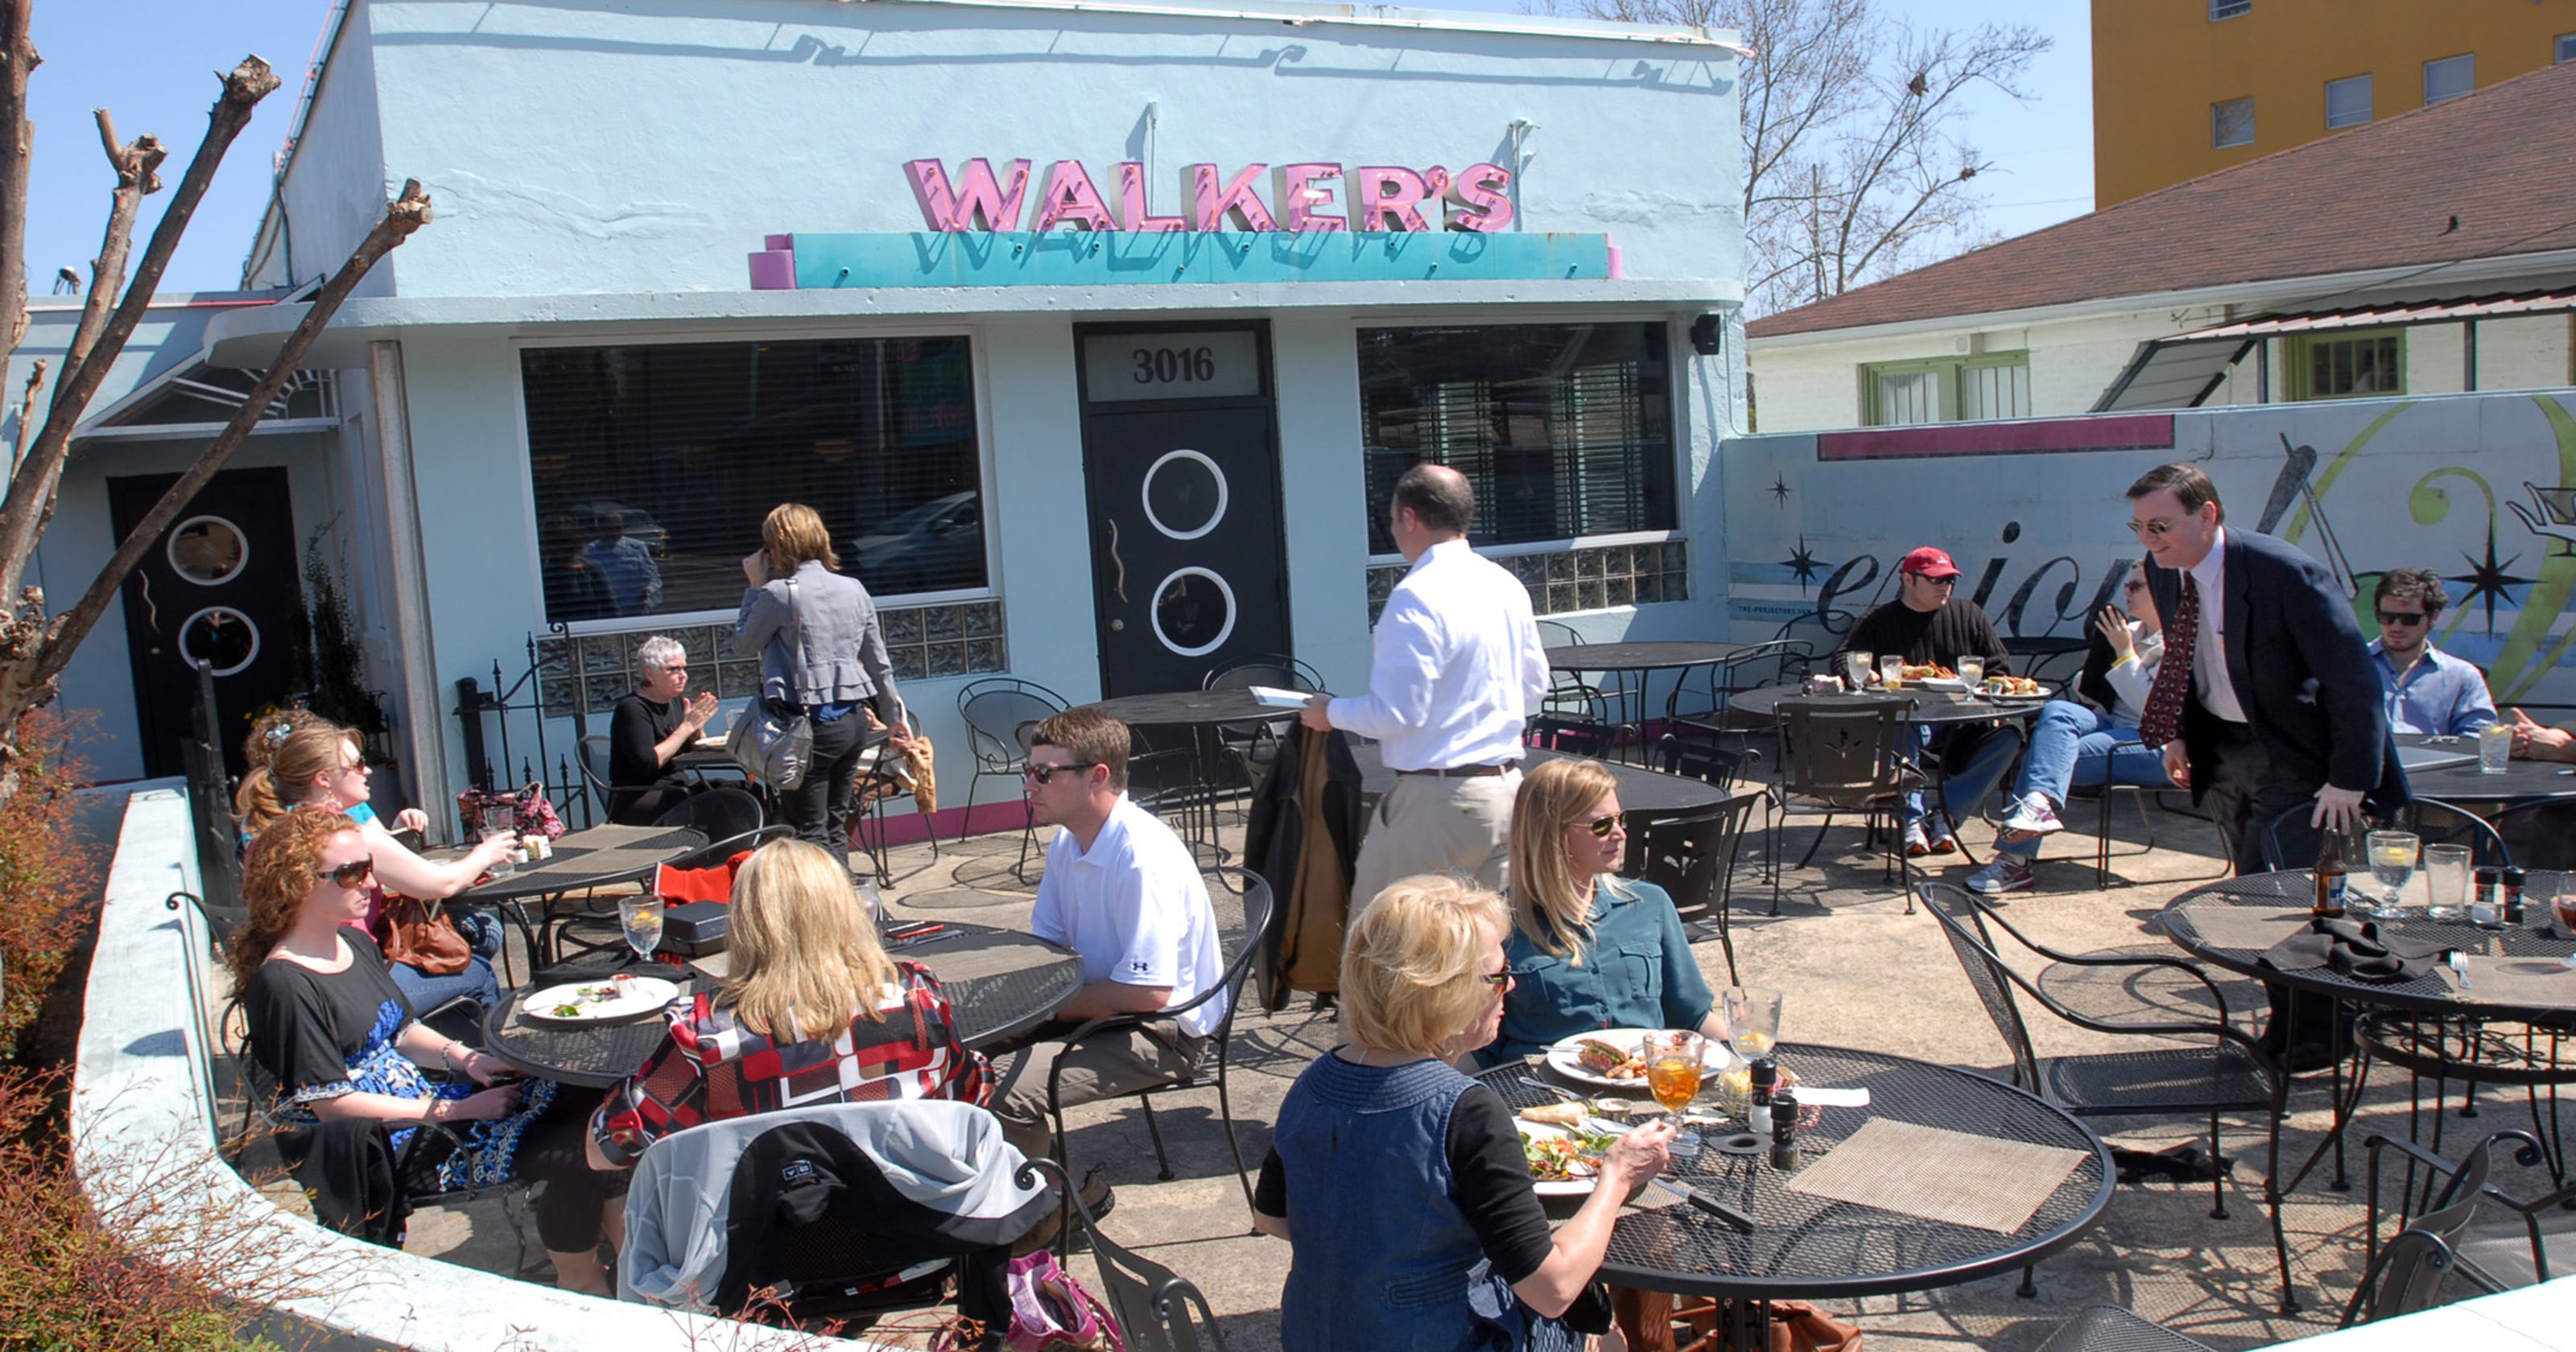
pixel 654 465
pixel 2231 123
pixel 1564 430
pixel 2348 102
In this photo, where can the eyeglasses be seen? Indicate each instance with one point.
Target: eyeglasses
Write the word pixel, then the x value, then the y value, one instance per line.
pixel 2389 617
pixel 1601 827
pixel 1497 980
pixel 1045 774
pixel 2160 527
pixel 1950 581
pixel 354 872
pixel 2133 586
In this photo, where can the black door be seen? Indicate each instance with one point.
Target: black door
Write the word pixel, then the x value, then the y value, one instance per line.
pixel 223 583
pixel 1181 456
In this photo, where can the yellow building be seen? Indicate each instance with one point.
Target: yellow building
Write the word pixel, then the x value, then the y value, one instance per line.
pixel 2183 88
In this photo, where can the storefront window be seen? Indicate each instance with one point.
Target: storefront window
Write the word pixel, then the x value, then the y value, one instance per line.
pixel 654 465
pixel 1565 430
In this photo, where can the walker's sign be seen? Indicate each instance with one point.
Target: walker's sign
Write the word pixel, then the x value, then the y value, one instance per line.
pixel 1308 197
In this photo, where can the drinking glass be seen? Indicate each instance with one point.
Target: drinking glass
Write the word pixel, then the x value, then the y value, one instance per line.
pixel 1856 669
pixel 1891 668
pixel 641 918
pixel 1972 671
pixel 2446 877
pixel 2495 748
pixel 2565 904
pixel 2392 862
pixel 504 866
pixel 1672 1075
pixel 1752 1022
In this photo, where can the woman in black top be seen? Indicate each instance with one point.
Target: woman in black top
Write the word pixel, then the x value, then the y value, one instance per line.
pixel 648 728
pixel 342 1043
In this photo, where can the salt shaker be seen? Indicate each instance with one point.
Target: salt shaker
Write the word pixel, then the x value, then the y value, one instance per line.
pixel 1766 1079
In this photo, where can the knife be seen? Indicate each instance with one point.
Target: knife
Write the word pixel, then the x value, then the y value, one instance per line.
pixel 1711 1205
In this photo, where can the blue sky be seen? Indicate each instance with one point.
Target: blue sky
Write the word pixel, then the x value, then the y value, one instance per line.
pixel 152 63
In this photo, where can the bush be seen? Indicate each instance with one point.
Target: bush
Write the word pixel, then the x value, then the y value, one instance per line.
pixel 48 875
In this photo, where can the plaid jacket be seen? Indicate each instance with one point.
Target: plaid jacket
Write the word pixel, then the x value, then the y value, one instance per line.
pixel 711 1067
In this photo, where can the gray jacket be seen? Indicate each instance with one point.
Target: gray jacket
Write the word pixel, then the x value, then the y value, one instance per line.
pixel 845 657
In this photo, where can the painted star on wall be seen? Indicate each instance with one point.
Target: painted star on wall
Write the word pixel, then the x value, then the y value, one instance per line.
pixel 2488 580
pixel 1779 490
pixel 1803 564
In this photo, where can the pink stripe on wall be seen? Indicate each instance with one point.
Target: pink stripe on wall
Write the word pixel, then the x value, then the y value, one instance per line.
pixel 2133 432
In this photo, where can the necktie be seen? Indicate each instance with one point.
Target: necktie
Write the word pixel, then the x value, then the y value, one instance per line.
pixel 2163 719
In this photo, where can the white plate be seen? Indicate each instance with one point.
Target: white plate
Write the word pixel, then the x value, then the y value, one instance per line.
pixel 2045 692
pixel 1564 1059
pixel 634 996
pixel 1562 1187
pixel 1951 683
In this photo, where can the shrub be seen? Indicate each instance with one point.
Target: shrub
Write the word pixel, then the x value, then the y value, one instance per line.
pixel 48 874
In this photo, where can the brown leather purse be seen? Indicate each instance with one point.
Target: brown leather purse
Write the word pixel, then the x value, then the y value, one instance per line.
pixel 419 935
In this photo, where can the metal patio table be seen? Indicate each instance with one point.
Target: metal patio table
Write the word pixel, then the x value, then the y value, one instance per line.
pixel 600 856
pixel 1814 1248
pixel 1202 714
pixel 2425 1027
pixel 1931 707
pixel 2522 780
pixel 1639 659
pixel 1017 981
pixel 1640 790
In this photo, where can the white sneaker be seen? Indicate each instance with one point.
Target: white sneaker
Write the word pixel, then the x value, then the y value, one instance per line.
pixel 2004 873
pixel 1917 844
pixel 2033 816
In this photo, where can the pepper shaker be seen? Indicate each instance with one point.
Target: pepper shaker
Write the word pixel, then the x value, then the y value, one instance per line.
pixel 1784 1129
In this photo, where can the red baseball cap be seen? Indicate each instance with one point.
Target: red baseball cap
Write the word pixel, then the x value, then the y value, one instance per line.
pixel 1929 562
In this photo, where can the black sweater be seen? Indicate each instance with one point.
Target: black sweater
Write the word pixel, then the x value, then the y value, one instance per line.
pixel 1958 629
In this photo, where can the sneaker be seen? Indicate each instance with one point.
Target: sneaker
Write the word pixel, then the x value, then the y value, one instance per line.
pixel 1917 844
pixel 1936 828
pixel 2004 873
pixel 2033 816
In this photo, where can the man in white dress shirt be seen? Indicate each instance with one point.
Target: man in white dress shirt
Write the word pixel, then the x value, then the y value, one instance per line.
pixel 1457 670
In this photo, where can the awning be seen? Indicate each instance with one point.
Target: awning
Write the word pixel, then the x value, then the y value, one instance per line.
pixel 2181 371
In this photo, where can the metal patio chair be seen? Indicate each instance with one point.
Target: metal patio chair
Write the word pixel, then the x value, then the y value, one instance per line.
pixel 2430 819
pixel 1849 755
pixel 2537 1245
pixel 1159 1310
pixel 2541 833
pixel 998 710
pixel 1691 855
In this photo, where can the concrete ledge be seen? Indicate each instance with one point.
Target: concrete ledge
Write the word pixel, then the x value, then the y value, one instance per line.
pixel 144 1138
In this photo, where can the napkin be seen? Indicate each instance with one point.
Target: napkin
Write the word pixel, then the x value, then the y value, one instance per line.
pixel 2354 949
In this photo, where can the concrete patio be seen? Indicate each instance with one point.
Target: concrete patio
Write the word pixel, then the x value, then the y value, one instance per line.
pixel 1859 972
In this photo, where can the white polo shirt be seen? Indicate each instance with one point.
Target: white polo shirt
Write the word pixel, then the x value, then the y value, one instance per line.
pixel 1134 907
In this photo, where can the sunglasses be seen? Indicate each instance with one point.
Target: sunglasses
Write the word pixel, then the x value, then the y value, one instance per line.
pixel 354 872
pixel 2133 586
pixel 1045 774
pixel 1601 827
pixel 1497 980
pixel 2388 617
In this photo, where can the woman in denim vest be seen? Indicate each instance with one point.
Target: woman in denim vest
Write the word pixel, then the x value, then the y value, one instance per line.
pixel 1399 1183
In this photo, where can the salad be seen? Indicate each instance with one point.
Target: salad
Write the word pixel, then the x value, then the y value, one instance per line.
pixel 585 996
pixel 1570 1156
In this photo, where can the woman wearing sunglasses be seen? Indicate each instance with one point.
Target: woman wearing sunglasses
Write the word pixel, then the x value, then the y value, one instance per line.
pixel 1589 950
pixel 334 1033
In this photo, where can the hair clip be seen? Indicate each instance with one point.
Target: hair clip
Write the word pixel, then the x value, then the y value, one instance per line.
pixel 277 735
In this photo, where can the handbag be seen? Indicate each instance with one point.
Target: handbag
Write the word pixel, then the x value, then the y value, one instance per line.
pixel 774 748
pixel 421 935
pixel 1050 1312
pixel 524 810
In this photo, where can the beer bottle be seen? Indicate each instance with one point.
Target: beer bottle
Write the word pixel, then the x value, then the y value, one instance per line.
pixel 2330 878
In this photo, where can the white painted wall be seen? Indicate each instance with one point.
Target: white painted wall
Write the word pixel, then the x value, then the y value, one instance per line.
pixel 336 184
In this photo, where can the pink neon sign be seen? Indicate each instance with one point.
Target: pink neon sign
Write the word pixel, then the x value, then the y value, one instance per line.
pixel 1309 196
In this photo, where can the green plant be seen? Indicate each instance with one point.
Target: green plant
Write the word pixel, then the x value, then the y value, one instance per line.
pixel 48 875
pixel 325 646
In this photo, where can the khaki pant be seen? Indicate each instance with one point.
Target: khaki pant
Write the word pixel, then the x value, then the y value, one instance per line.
pixel 1427 824
pixel 1106 1065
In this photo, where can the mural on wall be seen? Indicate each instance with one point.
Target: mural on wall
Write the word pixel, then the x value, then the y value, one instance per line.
pixel 2479 488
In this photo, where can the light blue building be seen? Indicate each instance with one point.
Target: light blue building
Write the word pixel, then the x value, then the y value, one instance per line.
pixel 1097 332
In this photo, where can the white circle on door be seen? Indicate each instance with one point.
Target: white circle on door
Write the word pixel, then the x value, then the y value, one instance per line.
pixel 222 636
pixel 1184 494
pixel 207 550
pixel 1193 612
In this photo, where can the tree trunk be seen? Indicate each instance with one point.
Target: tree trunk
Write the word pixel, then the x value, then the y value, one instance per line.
pixel 137 176
pixel 17 59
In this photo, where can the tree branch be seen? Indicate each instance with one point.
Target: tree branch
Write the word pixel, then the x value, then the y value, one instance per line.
pixel 29 506
pixel 23 688
pixel 137 169
pixel 18 59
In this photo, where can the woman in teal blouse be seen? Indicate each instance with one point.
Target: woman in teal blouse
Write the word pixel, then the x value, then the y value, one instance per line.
pixel 1588 949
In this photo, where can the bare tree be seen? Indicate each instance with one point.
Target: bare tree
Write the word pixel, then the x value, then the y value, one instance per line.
pixel 1853 167
pixel 35 647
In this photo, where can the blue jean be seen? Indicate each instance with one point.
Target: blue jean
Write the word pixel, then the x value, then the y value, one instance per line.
pixel 2071 747
pixel 428 992
pixel 1963 789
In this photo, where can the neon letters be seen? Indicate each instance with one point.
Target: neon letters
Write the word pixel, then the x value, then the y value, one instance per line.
pixel 1307 197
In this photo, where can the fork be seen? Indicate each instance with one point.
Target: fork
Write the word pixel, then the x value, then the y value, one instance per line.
pixel 1567 1095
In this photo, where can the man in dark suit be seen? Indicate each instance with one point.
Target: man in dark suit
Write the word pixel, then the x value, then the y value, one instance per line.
pixel 2267 697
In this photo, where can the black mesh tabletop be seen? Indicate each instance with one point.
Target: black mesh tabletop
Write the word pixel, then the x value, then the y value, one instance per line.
pixel 2466 783
pixel 999 982
pixel 598 857
pixel 1654 656
pixel 1191 709
pixel 1814 1248
pixel 2194 920
pixel 1640 789
pixel 1930 706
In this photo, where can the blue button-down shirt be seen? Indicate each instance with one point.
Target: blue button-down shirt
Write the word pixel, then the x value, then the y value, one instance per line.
pixel 1637 972
pixel 2441 694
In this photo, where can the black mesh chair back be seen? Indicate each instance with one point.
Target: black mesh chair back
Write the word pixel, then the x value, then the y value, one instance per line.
pixel 2289 842
pixel 2412 1271
pixel 1278 671
pixel 2541 834
pixel 998 711
pixel 1692 857
pixel 1844 751
pixel 2108 1328
pixel 729 818
pixel 592 757
pixel 1780 661
pixel 1963 923
pixel 1157 1309
pixel 1568 694
pixel 1573 736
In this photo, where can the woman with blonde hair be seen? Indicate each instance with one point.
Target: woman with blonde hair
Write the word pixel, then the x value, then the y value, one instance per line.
pixel 1589 949
pixel 316 763
pixel 811 1011
pixel 815 632
pixel 340 1041
pixel 1399 1183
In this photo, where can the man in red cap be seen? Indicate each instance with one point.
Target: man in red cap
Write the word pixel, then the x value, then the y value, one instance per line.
pixel 1927 626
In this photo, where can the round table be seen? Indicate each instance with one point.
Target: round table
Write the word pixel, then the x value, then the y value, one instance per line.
pixel 1640 790
pixel 1191 709
pixel 600 856
pixel 2466 783
pixel 1640 658
pixel 1000 984
pixel 1930 706
pixel 1811 1247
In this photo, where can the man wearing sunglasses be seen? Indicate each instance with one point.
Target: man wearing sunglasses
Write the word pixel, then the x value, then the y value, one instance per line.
pixel 2427 689
pixel 1929 624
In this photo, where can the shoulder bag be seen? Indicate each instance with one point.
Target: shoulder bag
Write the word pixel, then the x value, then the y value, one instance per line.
pixel 773 747
pixel 421 936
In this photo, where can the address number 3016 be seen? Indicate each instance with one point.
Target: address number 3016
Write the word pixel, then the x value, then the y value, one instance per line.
pixel 1174 366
